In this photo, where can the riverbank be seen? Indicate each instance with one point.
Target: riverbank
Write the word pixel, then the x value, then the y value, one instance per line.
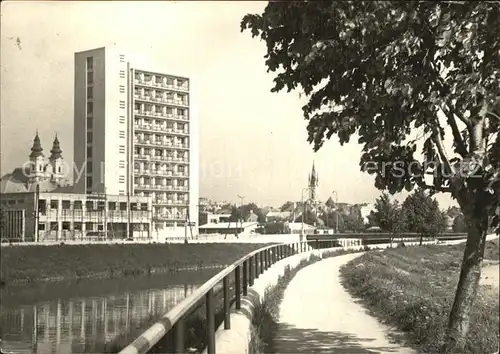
pixel 412 289
pixel 35 264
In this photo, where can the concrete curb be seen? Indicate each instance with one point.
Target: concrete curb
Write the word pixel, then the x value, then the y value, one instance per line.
pixel 237 339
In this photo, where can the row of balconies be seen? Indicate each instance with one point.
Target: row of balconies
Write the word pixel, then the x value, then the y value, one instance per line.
pixel 165 100
pixel 160 158
pixel 78 214
pixel 163 143
pixel 160 173
pixel 161 187
pixel 161 115
pixel 167 216
pixel 161 201
pixel 152 83
pixel 160 129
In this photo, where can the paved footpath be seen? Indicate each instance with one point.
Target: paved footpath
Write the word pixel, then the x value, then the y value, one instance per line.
pixel 318 315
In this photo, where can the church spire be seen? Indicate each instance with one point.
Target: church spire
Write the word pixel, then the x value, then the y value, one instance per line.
pixel 36 149
pixel 56 151
pixel 313 183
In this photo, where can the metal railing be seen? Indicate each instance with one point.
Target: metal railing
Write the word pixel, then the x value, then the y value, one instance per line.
pixel 245 271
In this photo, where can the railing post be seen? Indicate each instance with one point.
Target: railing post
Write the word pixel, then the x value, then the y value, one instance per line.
pixel 227 310
pixel 209 299
pixel 266 259
pixel 179 335
pixel 237 287
pixel 261 262
pixel 251 260
pixel 275 252
pixel 257 261
pixel 281 252
pixel 245 278
pixel 317 243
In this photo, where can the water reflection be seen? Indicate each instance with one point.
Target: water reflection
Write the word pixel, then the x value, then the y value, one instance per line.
pixel 83 325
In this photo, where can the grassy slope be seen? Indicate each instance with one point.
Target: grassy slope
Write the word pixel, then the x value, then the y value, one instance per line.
pixel 38 263
pixel 413 288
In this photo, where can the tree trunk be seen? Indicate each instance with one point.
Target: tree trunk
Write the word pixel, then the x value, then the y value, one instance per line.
pixel 468 284
pixel 421 239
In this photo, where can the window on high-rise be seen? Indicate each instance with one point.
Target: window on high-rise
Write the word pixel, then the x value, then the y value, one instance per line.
pixel 122 104
pixel 121 134
pixel 89 152
pixel 122 88
pixel 90 92
pixel 122 58
pixel 121 149
pixel 137 106
pixel 90 77
pixel 122 74
pixel 89 137
pixel 89 167
pixel 90 63
pixel 89 182
pixel 170 81
pixel 90 107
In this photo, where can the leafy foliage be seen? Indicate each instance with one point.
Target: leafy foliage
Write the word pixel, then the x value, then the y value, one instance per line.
pixel 242 213
pixel 388 215
pixel 422 214
pixel 382 69
pixel 354 221
pixel 330 220
pixel 459 224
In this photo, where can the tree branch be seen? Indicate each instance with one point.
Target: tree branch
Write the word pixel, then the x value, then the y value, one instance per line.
pixel 436 138
pixel 460 144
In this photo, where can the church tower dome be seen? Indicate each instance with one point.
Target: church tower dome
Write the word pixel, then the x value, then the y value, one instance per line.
pixel 56 160
pixel 37 160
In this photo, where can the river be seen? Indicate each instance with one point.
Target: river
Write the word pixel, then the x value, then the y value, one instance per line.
pixel 81 317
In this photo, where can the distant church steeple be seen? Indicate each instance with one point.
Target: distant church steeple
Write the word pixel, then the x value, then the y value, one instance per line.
pixel 313 183
pixel 55 152
pixel 37 163
pixel 36 149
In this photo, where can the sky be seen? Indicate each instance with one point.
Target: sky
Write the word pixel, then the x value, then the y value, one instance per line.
pixel 253 142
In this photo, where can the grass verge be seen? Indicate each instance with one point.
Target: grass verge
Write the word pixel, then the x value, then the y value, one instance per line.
pixel 412 289
pixel 22 264
pixel 265 321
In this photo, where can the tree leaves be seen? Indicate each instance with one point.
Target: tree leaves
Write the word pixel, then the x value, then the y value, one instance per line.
pixel 379 69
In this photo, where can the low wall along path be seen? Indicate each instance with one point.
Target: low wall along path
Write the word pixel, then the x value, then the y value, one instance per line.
pixel 317 315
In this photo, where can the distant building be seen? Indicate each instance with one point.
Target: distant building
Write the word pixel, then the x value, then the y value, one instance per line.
pixel 212 218
pixel 366 211
pixel 49 174
pixel 297 227
pixel 230 228
pixel 136 134
pixel 38 204
pixel 75 217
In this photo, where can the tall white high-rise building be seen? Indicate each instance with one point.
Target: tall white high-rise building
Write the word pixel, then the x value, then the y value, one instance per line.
pixel 136 134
